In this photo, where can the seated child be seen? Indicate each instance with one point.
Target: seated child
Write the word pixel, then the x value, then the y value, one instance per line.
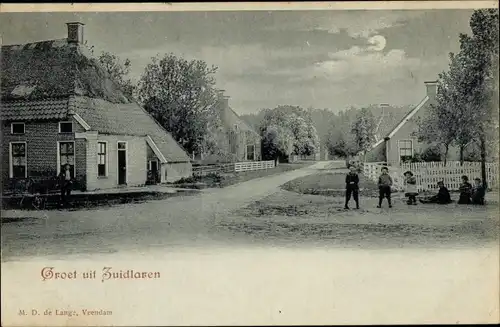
pixel 443 196
pixel 478 192
pixel 411 188
pixel 465 191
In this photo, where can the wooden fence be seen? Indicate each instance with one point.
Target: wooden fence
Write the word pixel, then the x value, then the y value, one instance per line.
pixel 372 169
pixel 213 169
pixel 232 167
pixel 428 174
pixel 253 165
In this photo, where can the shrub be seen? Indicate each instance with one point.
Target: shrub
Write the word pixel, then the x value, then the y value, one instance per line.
pixel 432 153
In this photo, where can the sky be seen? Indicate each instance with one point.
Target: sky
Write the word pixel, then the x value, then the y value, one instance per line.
pixel 322 59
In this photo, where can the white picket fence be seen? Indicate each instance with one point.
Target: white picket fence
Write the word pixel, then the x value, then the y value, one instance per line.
pixel 372 169
pixel 232 167
pixel 428 174
pixel 253 165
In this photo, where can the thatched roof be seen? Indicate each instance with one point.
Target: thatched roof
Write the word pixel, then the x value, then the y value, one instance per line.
pixel 51 69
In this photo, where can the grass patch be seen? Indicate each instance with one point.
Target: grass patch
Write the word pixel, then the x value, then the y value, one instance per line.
pixel 330 184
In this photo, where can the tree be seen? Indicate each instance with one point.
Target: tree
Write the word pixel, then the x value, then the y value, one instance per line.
pixel 479 86
pixel 440 126
pixel 363 130
pixel 430 154
pixel 288 129
pixel 181 96
pixel 277 142
pixel 459 115
pixel 118 72
pixel 341 143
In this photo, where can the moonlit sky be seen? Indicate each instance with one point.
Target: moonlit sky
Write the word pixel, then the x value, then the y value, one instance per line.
pixel 321 59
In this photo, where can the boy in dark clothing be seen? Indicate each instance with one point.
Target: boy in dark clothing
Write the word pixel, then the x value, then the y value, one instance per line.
pixel 443 196
pixel 351 187
pixel 384 187
pixel 478 192
pixel 465 191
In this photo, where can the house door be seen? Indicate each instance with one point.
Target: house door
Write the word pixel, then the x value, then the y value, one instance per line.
pixel 153 166
pixel 122 163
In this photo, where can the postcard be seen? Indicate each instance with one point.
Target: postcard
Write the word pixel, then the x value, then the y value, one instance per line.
pixel 294 163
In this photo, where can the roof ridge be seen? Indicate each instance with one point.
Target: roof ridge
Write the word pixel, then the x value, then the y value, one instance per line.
pixel 47 98
pixel 243 121
pixel 406 117
pixel 29 43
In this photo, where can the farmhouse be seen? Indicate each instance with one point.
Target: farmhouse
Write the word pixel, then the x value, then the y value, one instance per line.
pixel 237 140
pixel 400 143
pixel 59 106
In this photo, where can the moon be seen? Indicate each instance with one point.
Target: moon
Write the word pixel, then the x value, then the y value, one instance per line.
pixel 377 42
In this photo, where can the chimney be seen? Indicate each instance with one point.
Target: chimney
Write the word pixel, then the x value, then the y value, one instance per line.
pixel 75 32
pixel 431 88
pixel 224 99
pixel 225 102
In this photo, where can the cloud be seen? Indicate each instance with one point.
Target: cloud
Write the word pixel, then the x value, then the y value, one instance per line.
pixel 357 23
pixel 359 62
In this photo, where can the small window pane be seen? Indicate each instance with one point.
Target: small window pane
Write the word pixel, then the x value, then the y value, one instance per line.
pixel 18 171
pixel 66 127
pixel 101 170
pixel 18 149
pixel 18 154
pixel 101 158
pixel 18 128
pixel 66 148
pixel 121 145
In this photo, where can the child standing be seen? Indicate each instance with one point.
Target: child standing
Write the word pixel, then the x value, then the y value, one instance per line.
pixel 411 188
pixel 384 187
pixel 351 187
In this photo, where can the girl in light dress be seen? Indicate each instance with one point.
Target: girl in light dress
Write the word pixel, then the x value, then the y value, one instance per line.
pixel 411 191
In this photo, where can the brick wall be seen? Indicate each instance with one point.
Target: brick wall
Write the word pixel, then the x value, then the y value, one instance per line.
pixel 41 148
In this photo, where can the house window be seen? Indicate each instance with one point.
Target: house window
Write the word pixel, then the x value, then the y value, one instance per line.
pixel 102 153
pixel 67 156
pixel 122 146
pixel 18 160
pixel 17 128
pixel 66 127
pixel 233 145
pixel 405 150
pixel 251 152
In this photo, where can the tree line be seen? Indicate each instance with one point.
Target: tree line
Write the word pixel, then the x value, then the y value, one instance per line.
pixel 182 96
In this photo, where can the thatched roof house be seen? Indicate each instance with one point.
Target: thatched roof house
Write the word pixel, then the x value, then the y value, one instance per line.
pixel 59 102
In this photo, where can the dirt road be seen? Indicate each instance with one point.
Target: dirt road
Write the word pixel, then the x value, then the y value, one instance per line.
pixel 180 221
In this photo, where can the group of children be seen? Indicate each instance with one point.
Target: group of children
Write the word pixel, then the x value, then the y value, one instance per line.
pixel 468 194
